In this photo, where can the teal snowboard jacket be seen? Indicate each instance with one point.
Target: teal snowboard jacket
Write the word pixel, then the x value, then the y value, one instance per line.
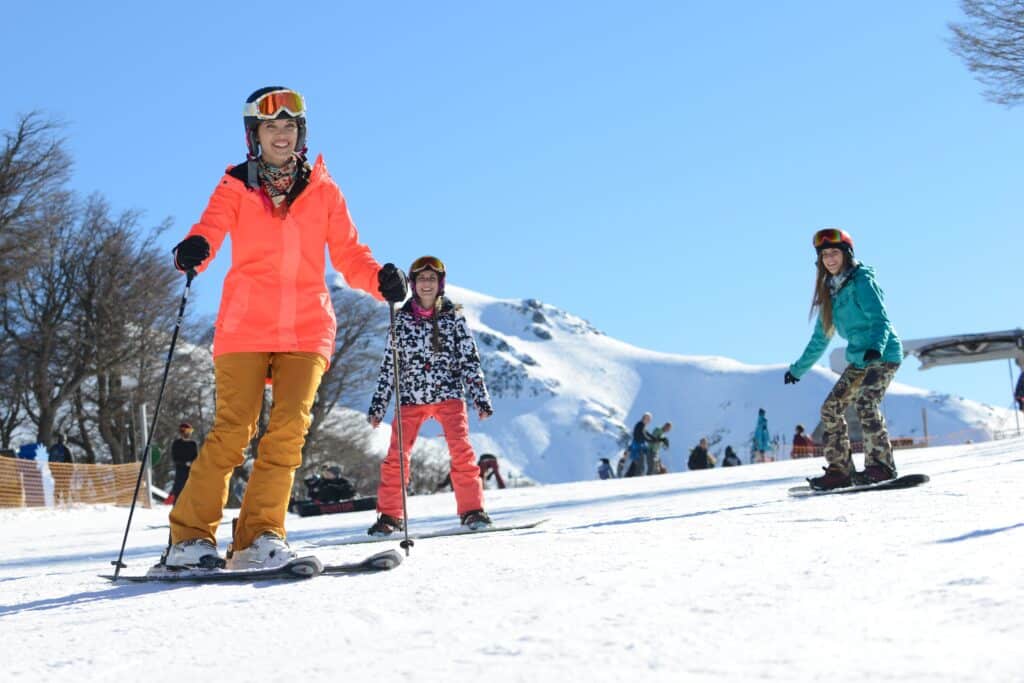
pixel 858 314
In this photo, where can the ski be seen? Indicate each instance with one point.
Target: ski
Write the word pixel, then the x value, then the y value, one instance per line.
pixel 380 562
pixel 300 568
pixel 440 533
pixel 905 482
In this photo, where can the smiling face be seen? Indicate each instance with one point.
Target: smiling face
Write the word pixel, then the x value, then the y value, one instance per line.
pixel 832 259
pixel 426 284
pixel 278 138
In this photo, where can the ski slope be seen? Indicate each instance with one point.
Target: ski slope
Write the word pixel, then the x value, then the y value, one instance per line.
pixel 565 394
pixel 716 575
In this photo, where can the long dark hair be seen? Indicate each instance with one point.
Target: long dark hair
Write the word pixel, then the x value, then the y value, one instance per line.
pixel 822 301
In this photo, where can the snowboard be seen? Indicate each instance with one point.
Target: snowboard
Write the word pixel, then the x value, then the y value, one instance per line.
pixel 905 482
pixel 400 536
pixel 309 508
pixel 299 568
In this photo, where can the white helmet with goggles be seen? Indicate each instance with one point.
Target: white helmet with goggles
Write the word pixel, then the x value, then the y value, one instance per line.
pixel 273 102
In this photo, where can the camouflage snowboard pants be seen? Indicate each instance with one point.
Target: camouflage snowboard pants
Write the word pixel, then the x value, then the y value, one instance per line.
pixel 865 388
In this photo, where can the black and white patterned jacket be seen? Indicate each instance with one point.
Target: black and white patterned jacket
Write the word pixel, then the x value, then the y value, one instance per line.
pixel 429 376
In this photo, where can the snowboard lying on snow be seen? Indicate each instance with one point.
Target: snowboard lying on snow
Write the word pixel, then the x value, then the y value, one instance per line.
pixel 299 568
pixel 905 482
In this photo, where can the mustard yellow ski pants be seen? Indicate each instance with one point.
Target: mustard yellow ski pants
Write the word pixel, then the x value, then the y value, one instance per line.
pixel 240 379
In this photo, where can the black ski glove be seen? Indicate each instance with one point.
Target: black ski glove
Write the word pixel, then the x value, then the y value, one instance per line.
pixel 190 252
pixel 871 355
pixel 790 379
pixel 664 441
pixel 392 283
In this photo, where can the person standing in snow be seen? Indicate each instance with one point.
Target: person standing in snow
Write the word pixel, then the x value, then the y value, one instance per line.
pixel 621 466
pixel 848 301
pixel 731 459
pixel 275 314
pixel 639 447
pixel 762 440
pixel 654 465
pixel 803 445
pixel 438 363
pixel 489 469
pixel 1018 393
pixel 700 458
pixel 184 452
pixel 60 455
pixel 604 470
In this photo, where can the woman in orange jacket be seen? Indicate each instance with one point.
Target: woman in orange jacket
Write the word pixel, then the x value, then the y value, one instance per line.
pixel 275 317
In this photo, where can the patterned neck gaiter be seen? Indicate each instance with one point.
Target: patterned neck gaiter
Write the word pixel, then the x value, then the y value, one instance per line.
pixel 277 181
pixel 836 282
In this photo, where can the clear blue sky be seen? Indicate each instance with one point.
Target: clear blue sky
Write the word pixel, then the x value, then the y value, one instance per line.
pixel 655 167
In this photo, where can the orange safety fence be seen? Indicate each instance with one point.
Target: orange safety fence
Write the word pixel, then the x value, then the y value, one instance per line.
pixel 900 442
pixel 27 483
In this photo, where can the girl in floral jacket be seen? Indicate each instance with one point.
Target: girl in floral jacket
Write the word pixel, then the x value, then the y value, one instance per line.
pixel 439 363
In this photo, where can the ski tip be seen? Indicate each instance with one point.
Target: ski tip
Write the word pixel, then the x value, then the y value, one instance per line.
pixel 389 559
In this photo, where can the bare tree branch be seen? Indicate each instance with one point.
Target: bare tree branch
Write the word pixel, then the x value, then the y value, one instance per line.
pixel 34 168
pixel 991 43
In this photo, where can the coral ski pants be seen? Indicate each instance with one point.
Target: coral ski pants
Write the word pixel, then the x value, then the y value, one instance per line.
pixel 469 490
pixel 240 379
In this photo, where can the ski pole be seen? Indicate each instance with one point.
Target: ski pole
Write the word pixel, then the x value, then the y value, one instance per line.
pixel 407 543
pixel 118 564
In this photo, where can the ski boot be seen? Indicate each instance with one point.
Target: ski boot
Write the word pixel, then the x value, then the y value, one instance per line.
pixel 476 519
pixel 268 551
pixel 195 553
pixel 385 526
pixel 874 473
pixel 834 478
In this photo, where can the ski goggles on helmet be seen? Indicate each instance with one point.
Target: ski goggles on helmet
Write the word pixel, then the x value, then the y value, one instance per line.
pixel 272 104
pixel 832 237
pixel 425 262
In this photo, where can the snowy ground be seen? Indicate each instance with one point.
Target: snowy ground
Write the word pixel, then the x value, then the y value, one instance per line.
pixel 704 576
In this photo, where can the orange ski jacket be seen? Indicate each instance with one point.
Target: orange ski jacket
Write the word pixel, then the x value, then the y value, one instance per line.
pixel 275 295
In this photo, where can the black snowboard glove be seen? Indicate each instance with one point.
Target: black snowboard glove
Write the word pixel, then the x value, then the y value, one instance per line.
pixel 790 379
pixel 871 355
pixel 392 283
pixel 190 252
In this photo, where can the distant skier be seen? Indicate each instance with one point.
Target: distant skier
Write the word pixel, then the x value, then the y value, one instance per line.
pixel 61 456
pixel 439 361
pixel 184 451
pixel 762 439
pixel 489 469
pixel 1019 391
pixel 700 458
pixel 604 470
pixel 282 215
pixel 731 459
pixel 654 464
pixel 639 447
pixel 848 301
pixel 803 445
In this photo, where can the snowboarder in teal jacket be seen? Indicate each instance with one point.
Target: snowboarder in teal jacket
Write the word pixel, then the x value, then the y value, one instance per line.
pixel 850 302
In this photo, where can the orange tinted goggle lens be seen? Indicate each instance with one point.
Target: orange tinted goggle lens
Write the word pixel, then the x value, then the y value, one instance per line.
pixel 827 236
pixel 273 103
pixel 431 262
